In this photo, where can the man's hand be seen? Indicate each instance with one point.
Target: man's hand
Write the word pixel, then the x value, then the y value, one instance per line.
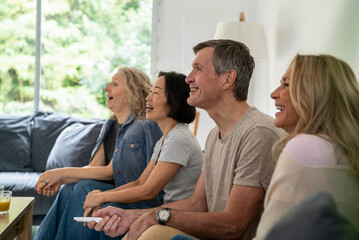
pixel 142 224
pixel 115 222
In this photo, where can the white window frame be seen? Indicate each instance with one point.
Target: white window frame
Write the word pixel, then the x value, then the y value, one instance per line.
pixel 37 56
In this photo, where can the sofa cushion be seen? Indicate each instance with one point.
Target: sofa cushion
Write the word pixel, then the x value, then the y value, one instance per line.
pixel 47 127
pixel 15 143
pixel 73 146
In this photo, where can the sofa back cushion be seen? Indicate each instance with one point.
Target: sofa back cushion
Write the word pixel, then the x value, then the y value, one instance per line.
pixel 15 143
pixel 47 127
pixel 74 146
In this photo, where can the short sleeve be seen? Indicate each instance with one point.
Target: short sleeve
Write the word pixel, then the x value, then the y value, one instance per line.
pixel 171 152
pixel 311 150
pixel 153 134
pixel 156 149
pixel 256 164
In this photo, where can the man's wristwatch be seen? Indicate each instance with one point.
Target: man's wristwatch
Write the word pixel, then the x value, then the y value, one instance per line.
pixel 163 216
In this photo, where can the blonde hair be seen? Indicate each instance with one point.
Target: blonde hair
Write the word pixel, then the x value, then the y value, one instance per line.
pixel 137 87
pixel 325 93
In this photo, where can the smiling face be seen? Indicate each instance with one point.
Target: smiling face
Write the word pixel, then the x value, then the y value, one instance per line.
pixel 203 81
pixel 116 96
pixel 156 102
pixel 287 117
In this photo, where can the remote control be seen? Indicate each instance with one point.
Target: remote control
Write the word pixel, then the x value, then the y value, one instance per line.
pixel 87 219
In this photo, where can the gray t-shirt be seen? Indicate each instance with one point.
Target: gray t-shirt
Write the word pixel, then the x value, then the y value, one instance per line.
pixel 181 147
pixel 243 157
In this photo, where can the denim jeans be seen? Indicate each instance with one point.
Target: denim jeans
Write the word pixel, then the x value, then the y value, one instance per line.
pixel 58 222
pixel 182 237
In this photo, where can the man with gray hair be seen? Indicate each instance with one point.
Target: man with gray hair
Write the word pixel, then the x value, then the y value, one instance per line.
pixel 228 199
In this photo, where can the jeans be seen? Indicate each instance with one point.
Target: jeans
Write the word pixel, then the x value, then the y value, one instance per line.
pixel 58 222
pixel 182 237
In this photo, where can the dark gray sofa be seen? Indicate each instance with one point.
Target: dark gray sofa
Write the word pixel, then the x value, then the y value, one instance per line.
pixel 31 144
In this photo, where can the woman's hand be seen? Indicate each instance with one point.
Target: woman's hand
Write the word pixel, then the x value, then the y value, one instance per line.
pixel 52 190
pixel 89 211
pixel 93 202
pixel 94 199
pixel 49 182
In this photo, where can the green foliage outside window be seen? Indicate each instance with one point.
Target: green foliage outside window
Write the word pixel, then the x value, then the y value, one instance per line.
pixel 83 42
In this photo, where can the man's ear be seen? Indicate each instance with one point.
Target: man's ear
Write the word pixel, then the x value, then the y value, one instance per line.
pixel 230 78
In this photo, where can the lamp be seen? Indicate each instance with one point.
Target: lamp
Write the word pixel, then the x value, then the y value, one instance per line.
pixel 251 34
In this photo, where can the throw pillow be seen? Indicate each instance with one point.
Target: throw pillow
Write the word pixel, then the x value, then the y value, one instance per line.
pixel 74 146
pixel 47 127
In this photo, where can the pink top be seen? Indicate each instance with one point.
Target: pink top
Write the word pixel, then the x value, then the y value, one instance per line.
pixel 312 150
pixel 306 165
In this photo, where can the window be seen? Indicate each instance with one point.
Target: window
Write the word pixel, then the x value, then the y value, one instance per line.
pixel 17 51
pixel 82 44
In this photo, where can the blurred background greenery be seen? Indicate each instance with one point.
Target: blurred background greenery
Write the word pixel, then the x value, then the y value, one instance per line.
pixel 83 43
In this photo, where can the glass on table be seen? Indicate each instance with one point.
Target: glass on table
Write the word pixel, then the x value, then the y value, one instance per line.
pixel 5 199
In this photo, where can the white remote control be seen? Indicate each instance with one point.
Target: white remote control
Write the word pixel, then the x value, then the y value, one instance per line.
pixel 87 219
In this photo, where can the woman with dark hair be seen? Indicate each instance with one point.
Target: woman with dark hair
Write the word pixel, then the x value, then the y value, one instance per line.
pixel 177 94
pixel 176 161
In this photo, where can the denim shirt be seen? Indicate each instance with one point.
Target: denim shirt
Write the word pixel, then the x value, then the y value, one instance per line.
pixel 133 149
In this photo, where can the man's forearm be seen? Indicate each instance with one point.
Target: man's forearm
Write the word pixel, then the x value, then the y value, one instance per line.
pixel 182 205
pixel 244 205
pixel 188 204
pixel 205 225
pixel 136 213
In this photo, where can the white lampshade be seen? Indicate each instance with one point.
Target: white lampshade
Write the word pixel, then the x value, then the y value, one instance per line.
pixel 251 34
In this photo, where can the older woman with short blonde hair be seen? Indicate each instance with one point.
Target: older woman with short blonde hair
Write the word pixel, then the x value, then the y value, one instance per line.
pixel 122 152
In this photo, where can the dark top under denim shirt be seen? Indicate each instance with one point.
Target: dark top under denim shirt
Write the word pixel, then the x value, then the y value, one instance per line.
pixel 109 142
pixel 133 149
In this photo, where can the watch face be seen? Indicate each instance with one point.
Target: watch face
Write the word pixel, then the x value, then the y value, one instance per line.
pixel 163 214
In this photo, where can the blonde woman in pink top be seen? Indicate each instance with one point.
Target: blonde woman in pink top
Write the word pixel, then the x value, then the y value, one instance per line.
pixel 318 103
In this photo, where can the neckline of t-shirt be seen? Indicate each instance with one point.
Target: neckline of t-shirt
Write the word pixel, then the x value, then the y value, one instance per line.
pixel 239 123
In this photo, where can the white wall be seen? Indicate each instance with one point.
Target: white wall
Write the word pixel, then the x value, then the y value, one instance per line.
pixel 305 26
